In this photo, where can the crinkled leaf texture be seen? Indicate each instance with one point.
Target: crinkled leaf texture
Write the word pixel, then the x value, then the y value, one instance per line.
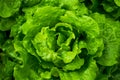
pixel 54 44
pixel 8 8
pixel 110 31
pixel 88 74
pixel 59 39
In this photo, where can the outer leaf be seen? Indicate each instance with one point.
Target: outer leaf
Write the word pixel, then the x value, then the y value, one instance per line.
pixel 110 55
pixel 6 23
pixel 29 70
pixel 8 8
pixel 83 23
pixel 6 68
pixel 117 2
pixel 46 20
pixel 111 49
pixel 87 74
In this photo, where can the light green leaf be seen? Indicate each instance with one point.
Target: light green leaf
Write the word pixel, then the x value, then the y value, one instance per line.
pixel 29 70
pixel 117 2
pixel 46 75
pixel 110 54
pixel 38 20
pixel 68 56
pixel 75 64
pixel 83 24
pixel 89 73
pixel 86 74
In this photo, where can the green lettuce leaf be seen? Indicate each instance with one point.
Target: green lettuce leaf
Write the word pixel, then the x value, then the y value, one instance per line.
pixel 8 8
pixel 117 2
pixel 75 64
pixel 110 33
pixel 86 74
pixel 55 41
pixel 36 20
pixel 7 23
pixel 28 65
pixel 59 39
pixel 6 67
